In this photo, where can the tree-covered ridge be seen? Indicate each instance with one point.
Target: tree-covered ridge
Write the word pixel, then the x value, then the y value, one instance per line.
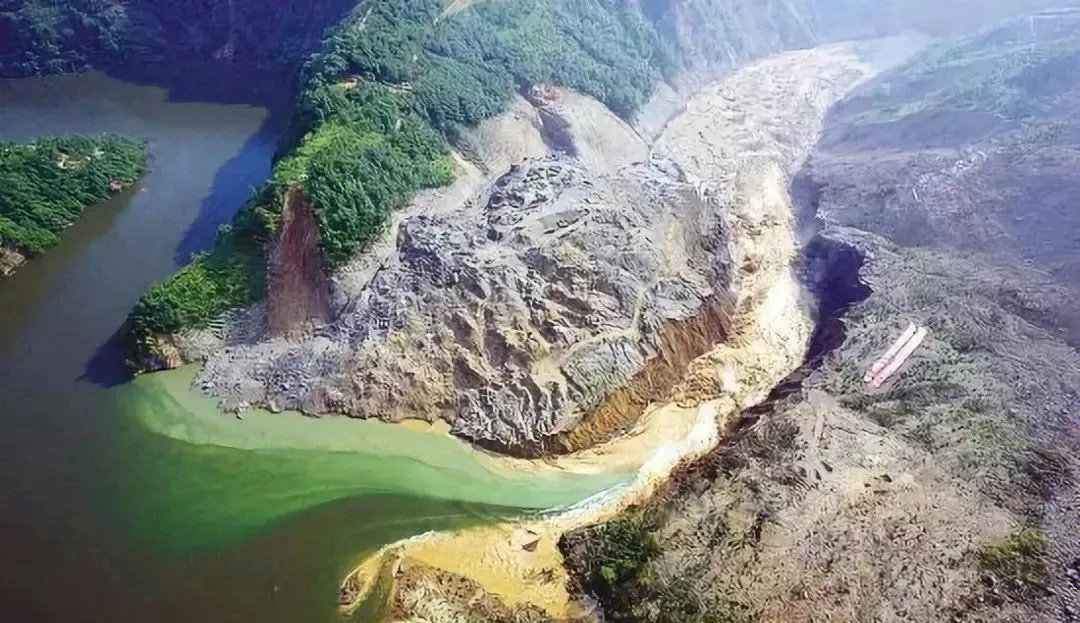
pixel 46 185
pixel 457 69
pixel 392 81
pixel 47 36
pixel 56 36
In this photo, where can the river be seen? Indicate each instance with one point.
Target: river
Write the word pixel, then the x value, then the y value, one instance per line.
pixel 136 500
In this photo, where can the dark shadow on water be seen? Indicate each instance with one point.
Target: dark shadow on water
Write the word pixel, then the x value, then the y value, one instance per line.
pixel 231 187
pixel 223 82
pixel 233 184
pixel 220 82
pixel 107 367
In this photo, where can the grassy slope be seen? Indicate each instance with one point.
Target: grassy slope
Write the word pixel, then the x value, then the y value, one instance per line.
pixel 392 81
pixel 46 185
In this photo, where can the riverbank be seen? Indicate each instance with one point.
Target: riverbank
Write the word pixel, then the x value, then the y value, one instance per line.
pixel 521 566
pixel 46 185
pixel 61 432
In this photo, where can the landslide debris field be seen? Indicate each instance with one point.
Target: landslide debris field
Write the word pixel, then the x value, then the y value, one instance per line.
pixel 950 494
pixel 737 143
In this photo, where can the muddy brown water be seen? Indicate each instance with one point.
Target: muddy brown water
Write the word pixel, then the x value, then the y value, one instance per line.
pixel 127 500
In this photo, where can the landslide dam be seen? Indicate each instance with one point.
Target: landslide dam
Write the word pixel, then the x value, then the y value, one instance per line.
pixel 737 143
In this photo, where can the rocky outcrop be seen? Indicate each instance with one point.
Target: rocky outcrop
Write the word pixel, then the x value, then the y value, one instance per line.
pixel 10 260
pixel 515 314
pixel 580 126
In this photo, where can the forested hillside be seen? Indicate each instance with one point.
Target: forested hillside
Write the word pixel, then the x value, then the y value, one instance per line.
pixel 391 82
pixel 54 36
pixel 46 185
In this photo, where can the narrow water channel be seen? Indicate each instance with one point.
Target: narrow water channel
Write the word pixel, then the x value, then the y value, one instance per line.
pixel 137 500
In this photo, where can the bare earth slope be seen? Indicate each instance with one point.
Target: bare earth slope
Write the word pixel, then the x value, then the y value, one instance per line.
pixel 514 571
pixel 950 494
pixel 512 310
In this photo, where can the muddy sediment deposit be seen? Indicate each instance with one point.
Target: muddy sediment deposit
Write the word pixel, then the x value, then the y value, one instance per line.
pixel 543 301
pixel 680 343
pixel 521 310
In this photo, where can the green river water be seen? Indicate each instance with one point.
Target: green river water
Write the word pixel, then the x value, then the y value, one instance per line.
pixel 139 500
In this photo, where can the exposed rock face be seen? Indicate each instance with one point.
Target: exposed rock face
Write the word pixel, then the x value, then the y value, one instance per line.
pixel 10 260
pixel 535 308
pixel 297 291
pixel 514 315
pixel 582 127
pixel 494 144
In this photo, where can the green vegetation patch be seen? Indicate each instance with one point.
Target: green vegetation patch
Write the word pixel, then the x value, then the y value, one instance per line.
pixel 617 555
pixel 391 83
pixel 624 567
pixel 1019 560
pixel 213 283
pixel 624 545
pixel 52 36
pixel 46 185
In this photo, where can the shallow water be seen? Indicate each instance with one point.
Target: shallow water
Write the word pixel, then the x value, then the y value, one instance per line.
pixel 124 500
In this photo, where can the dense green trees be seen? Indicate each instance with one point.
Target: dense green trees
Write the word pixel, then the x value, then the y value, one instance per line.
pixel 391 81
pixel 46 185
pixel 212 283
pixel 460 68
pixel 357 166
pixel 55 36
